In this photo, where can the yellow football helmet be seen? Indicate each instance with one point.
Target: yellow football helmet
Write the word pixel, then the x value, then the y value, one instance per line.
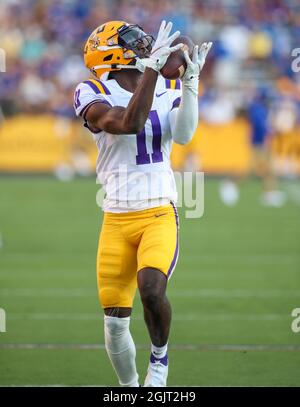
pixel 115 45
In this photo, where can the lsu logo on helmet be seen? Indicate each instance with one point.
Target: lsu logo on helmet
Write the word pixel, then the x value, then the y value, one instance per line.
pixel 115 45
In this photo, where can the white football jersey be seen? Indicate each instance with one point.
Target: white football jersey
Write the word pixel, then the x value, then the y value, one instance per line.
pixel 135 169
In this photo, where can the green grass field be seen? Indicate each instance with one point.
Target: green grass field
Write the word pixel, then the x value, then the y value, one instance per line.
pixel 235 286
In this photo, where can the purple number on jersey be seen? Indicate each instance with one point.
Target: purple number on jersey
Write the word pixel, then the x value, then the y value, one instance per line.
pixel 76 99
pixel 143 157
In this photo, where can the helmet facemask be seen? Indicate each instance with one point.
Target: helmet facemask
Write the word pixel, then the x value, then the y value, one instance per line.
pixel 132 37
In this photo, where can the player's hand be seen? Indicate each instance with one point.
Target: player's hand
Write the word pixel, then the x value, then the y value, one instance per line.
pixel 162 47
pixel 195 65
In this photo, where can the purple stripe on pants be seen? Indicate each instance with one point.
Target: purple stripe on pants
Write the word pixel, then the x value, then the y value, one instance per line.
pixel 177 244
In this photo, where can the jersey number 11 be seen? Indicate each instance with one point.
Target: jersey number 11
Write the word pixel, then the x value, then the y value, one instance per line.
pixel 142 156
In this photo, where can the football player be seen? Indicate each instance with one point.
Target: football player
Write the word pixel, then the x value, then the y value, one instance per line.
pixel 134 115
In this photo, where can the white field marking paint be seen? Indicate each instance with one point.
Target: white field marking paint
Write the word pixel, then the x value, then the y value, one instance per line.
pixel 242 258
pixel 295 326
pixel 49 273
pixel 34 256
pixel 201 293
pixel 2 320
pixel 57 385
pixel 235 293
pixel 211 255
pixel 192 273
pixel 177 317
pixel 183 347
pixel 111 385
pixel 47 292
pixel 92 385
pixel 206 263
pixel 212 279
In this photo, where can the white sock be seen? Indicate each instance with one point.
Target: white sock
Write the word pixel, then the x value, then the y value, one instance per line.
pixel 159 352
pixel 121 350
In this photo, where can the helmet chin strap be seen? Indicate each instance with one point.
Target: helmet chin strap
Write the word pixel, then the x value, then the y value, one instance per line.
pixel 138 65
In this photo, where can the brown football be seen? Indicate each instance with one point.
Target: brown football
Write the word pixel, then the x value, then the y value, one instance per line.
pixel 176 65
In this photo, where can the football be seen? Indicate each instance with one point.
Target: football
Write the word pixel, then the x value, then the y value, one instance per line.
pixel 176 65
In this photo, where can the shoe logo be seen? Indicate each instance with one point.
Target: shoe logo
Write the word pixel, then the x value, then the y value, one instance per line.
pixel 157 215
pixel 159 95
pixel 161 361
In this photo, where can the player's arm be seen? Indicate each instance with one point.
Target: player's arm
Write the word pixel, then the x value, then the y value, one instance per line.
pixel 132 119
pixel 184 120
pixel 120 120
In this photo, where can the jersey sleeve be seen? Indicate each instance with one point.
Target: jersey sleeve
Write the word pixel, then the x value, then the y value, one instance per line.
pixel 89 92
pixel 174 88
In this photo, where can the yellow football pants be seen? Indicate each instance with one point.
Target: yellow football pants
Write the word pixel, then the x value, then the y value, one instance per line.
pixel 130 242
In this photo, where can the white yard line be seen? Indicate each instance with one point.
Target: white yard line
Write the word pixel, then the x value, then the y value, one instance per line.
pixel 182 347
pixel 280 257
pixel 57 385
pixel 200 293
pixel 176 317
pixel 95 385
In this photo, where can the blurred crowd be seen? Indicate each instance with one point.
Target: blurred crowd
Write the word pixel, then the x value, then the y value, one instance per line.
pixel 249 69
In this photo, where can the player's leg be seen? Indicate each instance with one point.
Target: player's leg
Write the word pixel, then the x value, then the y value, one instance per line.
pixel 120 346
pixel 116 273
pixel 152 285
pixel 157 256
